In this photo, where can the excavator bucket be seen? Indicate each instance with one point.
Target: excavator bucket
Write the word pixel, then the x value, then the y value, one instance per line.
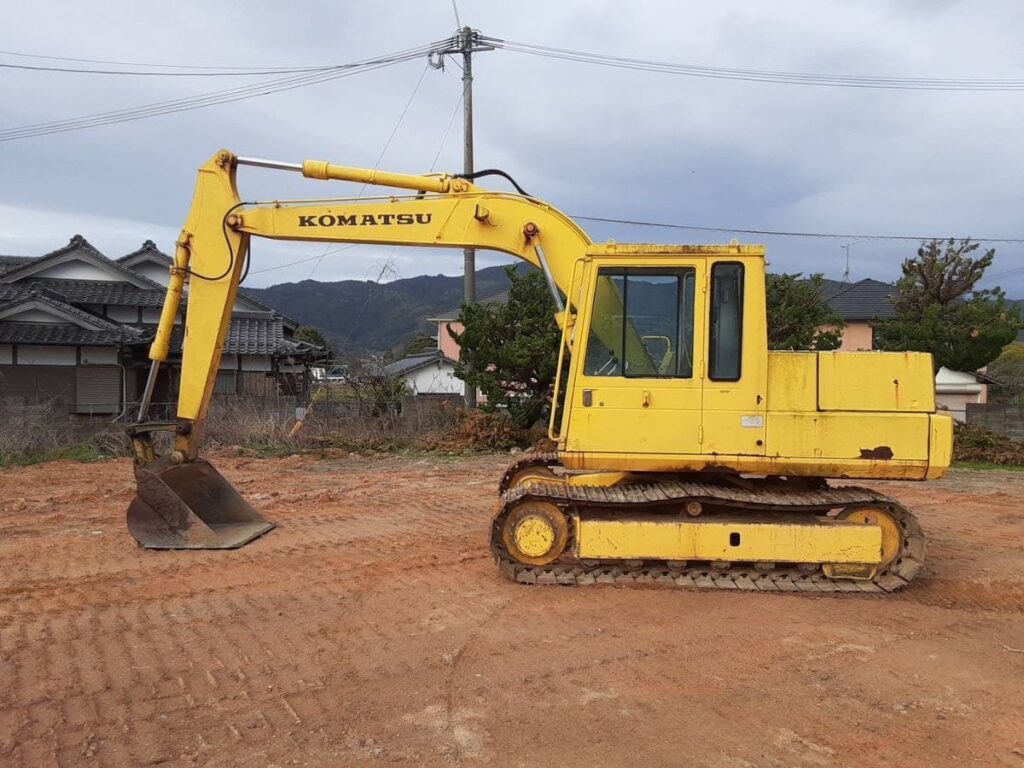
pixel 191 506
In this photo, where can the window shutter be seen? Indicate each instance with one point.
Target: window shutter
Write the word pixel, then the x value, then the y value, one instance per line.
pixel 98 389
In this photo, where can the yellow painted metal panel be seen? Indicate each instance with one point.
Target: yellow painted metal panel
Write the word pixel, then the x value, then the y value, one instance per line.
pixel 616 421
pixel 673 539
pixel 876 381
pixel 877 438
pixel 792 381
pixel 940 451
pixel 733 432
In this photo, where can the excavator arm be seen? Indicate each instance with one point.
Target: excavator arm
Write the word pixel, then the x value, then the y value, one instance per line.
pixel 182 501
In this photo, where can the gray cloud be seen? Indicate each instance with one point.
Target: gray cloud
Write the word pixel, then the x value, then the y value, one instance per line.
pixel 591 140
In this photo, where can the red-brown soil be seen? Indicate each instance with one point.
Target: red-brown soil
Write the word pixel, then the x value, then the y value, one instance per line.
pixel 372 628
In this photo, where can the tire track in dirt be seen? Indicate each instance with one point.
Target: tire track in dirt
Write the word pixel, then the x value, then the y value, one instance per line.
pixel 372 627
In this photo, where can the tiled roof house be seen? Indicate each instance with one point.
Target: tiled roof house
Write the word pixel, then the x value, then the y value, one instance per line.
pixel 75 329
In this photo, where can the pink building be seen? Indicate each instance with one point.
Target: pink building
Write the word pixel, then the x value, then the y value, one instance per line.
pixel 445 341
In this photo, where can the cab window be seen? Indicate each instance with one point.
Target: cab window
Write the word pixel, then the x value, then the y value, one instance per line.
pixel 725 339
pixel 642 323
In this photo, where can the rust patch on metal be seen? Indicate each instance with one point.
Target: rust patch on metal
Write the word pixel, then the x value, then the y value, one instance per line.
pixel 881 452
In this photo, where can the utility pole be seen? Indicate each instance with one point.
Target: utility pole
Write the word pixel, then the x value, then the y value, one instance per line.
pixel 846 250
pixel 468 43
pixel 469 254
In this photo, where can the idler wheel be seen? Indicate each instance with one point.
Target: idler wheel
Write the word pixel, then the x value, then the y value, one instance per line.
pixel 535 532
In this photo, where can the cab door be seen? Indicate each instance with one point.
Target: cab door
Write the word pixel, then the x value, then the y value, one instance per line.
pixel 736 375
pixel 638 388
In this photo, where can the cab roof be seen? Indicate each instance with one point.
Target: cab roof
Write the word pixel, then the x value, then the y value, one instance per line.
pixel 657 249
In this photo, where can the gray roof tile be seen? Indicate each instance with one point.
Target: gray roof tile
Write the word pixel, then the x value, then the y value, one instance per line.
pixel 10 262
pixel 253 333
pixel 866 299
pixel 414 363
pixel 148 249
pixel 60 333
pixel 87 291
pixel 86 249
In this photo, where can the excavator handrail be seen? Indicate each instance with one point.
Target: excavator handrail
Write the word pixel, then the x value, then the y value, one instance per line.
pixel 568 329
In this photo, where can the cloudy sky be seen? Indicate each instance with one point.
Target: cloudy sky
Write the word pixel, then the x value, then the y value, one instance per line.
pixel 591 140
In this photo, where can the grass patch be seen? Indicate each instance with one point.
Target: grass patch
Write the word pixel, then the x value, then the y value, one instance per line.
pixel 987 466
pixel 85 452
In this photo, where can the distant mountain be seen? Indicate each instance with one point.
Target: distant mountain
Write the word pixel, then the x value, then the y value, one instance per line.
pixel 359 316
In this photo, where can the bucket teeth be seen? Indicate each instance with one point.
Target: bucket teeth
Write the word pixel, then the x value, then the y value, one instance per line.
pixel 191 506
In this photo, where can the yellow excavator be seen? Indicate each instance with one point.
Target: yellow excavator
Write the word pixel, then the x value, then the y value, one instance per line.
pixel 688 454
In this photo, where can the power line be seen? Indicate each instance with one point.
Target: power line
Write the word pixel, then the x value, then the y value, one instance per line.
pixel 783 233
pixel 384 149
pixel 401 118
pixel 740 231
pixel 213 98
pixel 143 73
pixel 1007 273
pixel 762 75
pixel 207 99
pixel 444 140
pixel 300 261
pixel 447 131
pixel 159 66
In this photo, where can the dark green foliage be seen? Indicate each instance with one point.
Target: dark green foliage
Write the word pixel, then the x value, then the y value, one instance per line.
pixel 311 335
pixel 419 343
pixel 510 351
pixel 938 309
pixel 1008 370
pixel 798 316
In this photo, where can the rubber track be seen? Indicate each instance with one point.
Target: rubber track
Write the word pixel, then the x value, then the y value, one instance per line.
pixel 532 459
pixel 761 497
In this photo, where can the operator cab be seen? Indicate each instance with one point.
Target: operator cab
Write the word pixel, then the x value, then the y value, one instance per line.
pixel 673 352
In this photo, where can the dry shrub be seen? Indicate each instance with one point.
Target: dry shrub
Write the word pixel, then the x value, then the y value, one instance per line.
pixel 34 433
pixel 263 427
pixel 477 431
pixel 259 426
pixel 974 443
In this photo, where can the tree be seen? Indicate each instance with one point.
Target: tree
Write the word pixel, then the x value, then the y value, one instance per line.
pixel 1008 370
pixel 938 310
pixel 419 344
pixel 311 334
pixel 798 315
pixel 510 351
pixel 380 394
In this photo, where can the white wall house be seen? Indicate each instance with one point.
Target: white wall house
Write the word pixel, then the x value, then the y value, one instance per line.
pixel 428 374
pixel 955 389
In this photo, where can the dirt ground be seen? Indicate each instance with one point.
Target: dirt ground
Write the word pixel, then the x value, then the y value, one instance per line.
pixel 371 628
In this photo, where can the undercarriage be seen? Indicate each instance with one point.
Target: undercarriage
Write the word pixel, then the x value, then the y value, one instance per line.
pixel 711 531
